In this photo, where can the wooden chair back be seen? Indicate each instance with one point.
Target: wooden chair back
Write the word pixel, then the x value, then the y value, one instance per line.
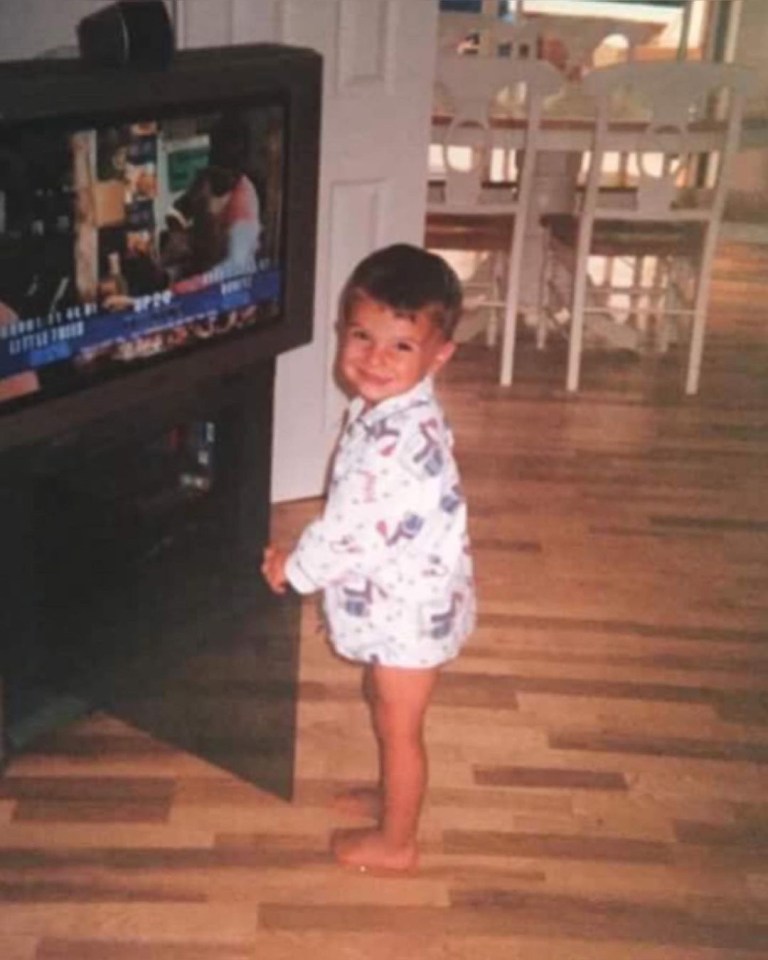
pixel 492 104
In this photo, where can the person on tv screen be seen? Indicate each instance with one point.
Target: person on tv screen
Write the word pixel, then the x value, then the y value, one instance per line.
pixel 225 227
pixel 220 212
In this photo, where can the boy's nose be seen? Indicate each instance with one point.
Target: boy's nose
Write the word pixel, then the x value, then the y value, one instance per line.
pixel 377 355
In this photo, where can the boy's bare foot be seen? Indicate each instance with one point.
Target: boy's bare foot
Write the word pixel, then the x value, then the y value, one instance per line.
pixel 360 802
pixel 368 850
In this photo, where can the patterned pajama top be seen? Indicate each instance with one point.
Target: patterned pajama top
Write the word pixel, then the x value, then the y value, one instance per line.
pixel 391 550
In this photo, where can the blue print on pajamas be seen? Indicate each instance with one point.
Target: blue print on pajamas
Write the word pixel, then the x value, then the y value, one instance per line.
pixel 430 455
pixel 422 453
pixel 443 620
pixel 391 550
pixel 382 431
pixel 452 500
pixel 407 529
pixel 357 602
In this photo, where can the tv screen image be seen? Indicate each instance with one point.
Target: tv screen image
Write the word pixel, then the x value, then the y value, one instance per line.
pixel 135 238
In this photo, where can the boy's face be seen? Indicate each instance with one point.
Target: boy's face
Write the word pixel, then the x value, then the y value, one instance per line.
pixel 384 354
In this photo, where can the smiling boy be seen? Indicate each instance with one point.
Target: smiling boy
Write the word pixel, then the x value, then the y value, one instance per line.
pixel 390 551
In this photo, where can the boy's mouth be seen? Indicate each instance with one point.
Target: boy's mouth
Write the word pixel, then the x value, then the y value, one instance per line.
pixel 374 379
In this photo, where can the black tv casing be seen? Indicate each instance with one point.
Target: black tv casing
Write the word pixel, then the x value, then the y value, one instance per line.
pixel 41 91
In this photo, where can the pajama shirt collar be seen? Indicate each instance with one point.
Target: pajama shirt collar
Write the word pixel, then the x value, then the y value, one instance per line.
pixel 423 392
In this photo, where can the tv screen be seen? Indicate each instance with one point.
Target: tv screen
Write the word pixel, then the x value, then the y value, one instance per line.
pixel 123 242
pixel 138 229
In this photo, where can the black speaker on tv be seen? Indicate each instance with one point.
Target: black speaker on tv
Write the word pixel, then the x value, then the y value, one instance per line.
pixel 136 32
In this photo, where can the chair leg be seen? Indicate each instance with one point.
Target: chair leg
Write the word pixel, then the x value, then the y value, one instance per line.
pixel 509 333
pixel 639 310
pixel 580 283
pixel 661 300
pixel 545 275
pixel 669 299
pixel 665 301
pixel 497 295
pixel 696 350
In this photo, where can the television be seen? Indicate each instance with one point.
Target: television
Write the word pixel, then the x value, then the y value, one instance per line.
pixel 157 252
pixel 157 230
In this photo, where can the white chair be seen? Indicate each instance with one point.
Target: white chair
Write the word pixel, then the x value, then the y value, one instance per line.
pixel 487 146
pixel 658 171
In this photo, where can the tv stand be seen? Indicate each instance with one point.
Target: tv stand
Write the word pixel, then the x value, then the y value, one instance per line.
pixel 130 559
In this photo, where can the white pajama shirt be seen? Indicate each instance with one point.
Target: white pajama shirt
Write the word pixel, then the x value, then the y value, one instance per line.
pixel 391 550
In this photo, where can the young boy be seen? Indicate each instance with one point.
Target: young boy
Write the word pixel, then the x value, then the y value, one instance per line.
pixel 391 551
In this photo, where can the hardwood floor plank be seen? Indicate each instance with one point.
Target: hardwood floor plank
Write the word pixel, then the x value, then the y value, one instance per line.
pixel 753 834
pixel 55 949
pixel 550 846
pixel 728 752
pixel 550 777
pixel 185 922
pixel 158 789
pixel 626 628
pixel 531 915
pixel 68 891
pixel 18 948
pixel 289 945
pixel 92 811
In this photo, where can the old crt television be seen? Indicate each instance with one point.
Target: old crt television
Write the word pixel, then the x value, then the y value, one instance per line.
pixel 157 229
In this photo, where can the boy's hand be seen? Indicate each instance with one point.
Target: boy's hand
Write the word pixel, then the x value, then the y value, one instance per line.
pixel 273 569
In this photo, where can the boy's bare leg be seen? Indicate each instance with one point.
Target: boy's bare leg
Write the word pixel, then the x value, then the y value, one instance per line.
pixel 365 801
pixel 400 701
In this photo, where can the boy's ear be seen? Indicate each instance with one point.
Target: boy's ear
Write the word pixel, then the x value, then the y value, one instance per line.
pixel 444 353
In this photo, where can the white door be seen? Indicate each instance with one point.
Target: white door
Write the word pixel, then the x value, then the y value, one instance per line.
pixel 378 67
pixel 379 64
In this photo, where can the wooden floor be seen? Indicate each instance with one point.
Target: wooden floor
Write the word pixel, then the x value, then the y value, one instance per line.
pixel 598 755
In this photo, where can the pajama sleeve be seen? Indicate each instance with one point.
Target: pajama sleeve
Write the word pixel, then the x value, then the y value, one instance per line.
pixel 386 504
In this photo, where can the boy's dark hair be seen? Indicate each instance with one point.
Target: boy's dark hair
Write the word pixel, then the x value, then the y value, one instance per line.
pixel 407 279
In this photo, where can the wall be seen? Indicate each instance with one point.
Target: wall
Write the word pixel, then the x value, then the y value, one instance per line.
pixel 30 27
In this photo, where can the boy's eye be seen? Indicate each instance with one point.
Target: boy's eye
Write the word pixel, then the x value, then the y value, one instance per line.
pixel 356 333
pixel 405 347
